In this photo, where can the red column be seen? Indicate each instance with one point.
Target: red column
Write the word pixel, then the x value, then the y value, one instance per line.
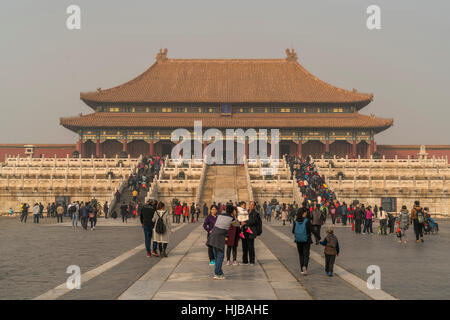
pixel 354 149
pixel 79 145
pixel 371 147
pixel 152 148
pixel 124 145
pixel 299 148
pixel 97 148
pixel 327 145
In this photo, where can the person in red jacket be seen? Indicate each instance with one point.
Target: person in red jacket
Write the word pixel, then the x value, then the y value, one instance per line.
pixel 178 212
pixel 185 212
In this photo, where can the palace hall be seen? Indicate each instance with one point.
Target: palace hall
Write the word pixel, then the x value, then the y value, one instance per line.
pixel 313 117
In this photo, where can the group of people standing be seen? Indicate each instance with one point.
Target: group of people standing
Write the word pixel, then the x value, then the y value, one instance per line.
pixel 228 225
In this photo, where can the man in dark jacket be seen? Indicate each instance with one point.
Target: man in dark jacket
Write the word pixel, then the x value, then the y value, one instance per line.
pixel 147 213
pixel 248 243
pixel 359 216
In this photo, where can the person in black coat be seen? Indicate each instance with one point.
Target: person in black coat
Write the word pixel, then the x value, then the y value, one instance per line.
pixel 303 247
pixel 146 217
pixel 248 243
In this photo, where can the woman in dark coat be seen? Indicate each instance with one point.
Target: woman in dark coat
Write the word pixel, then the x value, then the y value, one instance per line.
pixel 232 241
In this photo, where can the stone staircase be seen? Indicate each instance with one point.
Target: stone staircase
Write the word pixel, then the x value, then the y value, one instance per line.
pixel 224 183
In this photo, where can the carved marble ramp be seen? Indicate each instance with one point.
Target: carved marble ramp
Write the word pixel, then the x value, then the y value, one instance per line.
pixel 225 184
pixel 186 274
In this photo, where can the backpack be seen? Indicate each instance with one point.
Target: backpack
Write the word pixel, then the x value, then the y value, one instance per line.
pixel 420 216
pixel 300 231
pixel 92 215
pixel 160 226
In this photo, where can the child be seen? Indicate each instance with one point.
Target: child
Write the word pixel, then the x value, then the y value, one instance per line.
pixel 331 244
pixel 242 217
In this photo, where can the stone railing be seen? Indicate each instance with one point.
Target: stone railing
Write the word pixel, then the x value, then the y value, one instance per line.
pixel 198 196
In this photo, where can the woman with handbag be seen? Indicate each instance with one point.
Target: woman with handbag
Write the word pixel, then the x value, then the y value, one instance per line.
pixel 161 228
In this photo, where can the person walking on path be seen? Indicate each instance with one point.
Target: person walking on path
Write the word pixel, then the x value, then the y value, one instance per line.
pixel 36 213
pixel 75 215
pixel 403 223
pixel 208 225
pixel 219 236
pixel 93 217
pixel 331 250
pixel 84 213
pixel 269 212
pixel 124 212
pixel 233 240
pixel 192 212
pixel 383 221
pixel 185 213
pixel 418 218
pixel 162 228
pixel 333 213
pixel 146 217
pixel 302 231
pixel 59 213
pixel 24 215
pixel 316 222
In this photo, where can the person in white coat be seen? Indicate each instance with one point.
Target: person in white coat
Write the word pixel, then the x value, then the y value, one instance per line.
pixel 161 228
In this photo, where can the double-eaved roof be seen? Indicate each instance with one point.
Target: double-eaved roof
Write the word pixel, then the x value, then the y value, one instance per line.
pixel 226 81
pixel 232 81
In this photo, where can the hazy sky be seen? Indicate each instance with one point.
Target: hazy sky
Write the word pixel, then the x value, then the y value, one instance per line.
pixel 44 66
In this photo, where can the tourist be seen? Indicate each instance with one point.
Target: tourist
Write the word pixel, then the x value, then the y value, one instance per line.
pixel 192 212
pixel 178 212
pixel 358 216
pixel 161 230
pixel 233 239
pixel 197 212
pixel 41 210
pixel 331 250
pixel 316 222
pixel 218 237
pixel 93 216
pixel 106 209
pixel 36 213
pixel 11 212
pixel 185 213
pixel 333 213
pixel 250 227
pixel 284 214
pixel 403 223
pixel 49 210
pixel 391 223
pixel 205 210
pixel 277 211
pixel 417 218
pixel 59 213
pixel 265 209
pixel 124 212
pixel 75 214
pixel 302 231
pixel 368 222
pixel 208 225
pixel 269 212
pixel 375 211
pixel 383 221
pixel 84 213
pixel 24 215
pixel 146 217
pixel 348 213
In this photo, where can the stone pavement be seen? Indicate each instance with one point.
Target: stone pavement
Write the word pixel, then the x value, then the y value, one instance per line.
pixel 113 263
pixel 186 274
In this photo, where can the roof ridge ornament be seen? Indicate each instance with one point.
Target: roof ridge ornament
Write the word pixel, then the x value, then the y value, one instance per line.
pixel 291 55
pixel 162 55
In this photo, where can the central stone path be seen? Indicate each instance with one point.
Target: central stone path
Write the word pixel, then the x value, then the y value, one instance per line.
pixel 186 274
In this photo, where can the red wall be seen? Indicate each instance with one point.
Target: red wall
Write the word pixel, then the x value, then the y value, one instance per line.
pixel 402 151
pixel 48 150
